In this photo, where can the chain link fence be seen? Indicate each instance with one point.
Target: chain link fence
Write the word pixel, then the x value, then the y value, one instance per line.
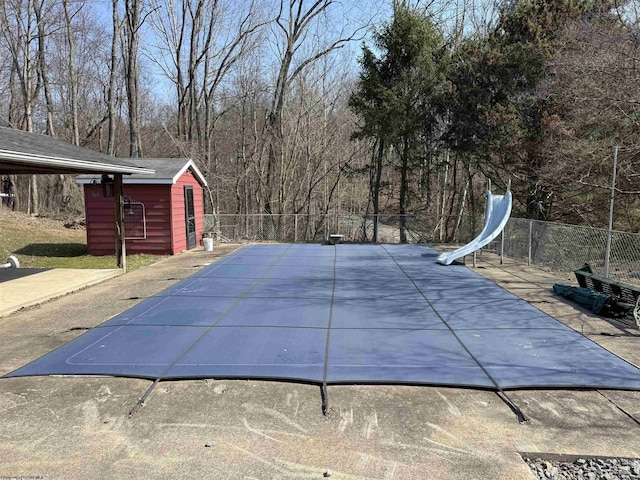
pixel 556 246
pixel 355 228
pixel 564 248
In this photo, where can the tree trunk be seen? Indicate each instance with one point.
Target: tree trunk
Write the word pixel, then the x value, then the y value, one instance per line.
pixel 443 196
pixel 294 20
pixel 12 202
pixel 12 118
pixel 73 77
pixel 461 210
pixel 404 190
pixel 113 77
pixel 377 178
pixel 194 62
pixel 30 93
pixel 452 197
pixel 133 9
pixel 42 65
pixel 33 195
pixel 59 180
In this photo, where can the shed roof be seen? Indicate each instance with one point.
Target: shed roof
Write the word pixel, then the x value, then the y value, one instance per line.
pixel 29 153
pixel 167 171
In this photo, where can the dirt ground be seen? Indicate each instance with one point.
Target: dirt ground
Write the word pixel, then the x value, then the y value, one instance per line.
pixel 79 427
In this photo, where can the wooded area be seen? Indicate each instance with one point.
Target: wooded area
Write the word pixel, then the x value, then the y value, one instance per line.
pixel 320 106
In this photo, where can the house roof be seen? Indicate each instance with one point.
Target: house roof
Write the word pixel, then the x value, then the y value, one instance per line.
pixel 29 153
pixel 167 171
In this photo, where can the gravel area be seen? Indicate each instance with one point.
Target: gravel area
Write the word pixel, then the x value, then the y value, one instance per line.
pixel 586 469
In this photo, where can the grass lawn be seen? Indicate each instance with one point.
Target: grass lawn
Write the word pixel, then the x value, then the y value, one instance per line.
pixel 46 243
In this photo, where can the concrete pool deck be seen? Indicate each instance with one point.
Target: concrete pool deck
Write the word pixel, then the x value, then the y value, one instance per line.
pixel 79 427
pixel 42 286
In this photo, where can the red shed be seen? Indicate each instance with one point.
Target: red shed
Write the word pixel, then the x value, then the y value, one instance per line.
pixel 164 212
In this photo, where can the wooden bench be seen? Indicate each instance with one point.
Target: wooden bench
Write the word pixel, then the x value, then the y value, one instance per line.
pixel 626 294
pixel 335 238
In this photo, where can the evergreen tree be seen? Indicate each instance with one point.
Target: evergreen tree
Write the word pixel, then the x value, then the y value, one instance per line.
pixel 399 97
pixel 496 109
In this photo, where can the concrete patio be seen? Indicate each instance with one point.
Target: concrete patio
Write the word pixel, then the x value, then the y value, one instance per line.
pixel 30 290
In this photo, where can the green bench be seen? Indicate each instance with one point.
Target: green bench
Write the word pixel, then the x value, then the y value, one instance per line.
pixel 625 294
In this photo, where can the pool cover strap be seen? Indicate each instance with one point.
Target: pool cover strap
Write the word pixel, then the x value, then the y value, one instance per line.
pixel 500 393
pixel 324 392
pixel 146 394
pixel 341 314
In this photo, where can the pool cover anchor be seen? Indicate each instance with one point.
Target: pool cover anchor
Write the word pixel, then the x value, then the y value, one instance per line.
pixel 323 387
pixel 514 408
pixel 143 398
pixel 325 400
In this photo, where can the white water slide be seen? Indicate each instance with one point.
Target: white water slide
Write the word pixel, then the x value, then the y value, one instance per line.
pixel 496 217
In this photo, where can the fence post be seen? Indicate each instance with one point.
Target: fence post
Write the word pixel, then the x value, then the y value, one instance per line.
pixel 295 228
pixel 530 235
pixel 502 247
pixel 613 194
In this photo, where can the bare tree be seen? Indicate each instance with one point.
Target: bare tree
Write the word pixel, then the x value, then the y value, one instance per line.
pixel 43 68
pixel 296 23
pixel 20 34
pixel 132 23
pixel 169 22
pixel 218 62
pixel 199 42
pixel 113 76
pixel 46 14
pixel 71 69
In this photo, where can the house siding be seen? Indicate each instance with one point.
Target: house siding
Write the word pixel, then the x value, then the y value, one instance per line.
pixel 178 225
pixel 100 219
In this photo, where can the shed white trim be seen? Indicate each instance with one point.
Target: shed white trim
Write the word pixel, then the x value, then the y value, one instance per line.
pixel 152 179
pixel 198 174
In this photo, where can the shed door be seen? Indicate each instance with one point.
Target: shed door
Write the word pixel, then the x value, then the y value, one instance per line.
pixel 190 217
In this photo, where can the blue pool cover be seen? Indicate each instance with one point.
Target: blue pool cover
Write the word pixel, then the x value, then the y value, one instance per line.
pixel 379 314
